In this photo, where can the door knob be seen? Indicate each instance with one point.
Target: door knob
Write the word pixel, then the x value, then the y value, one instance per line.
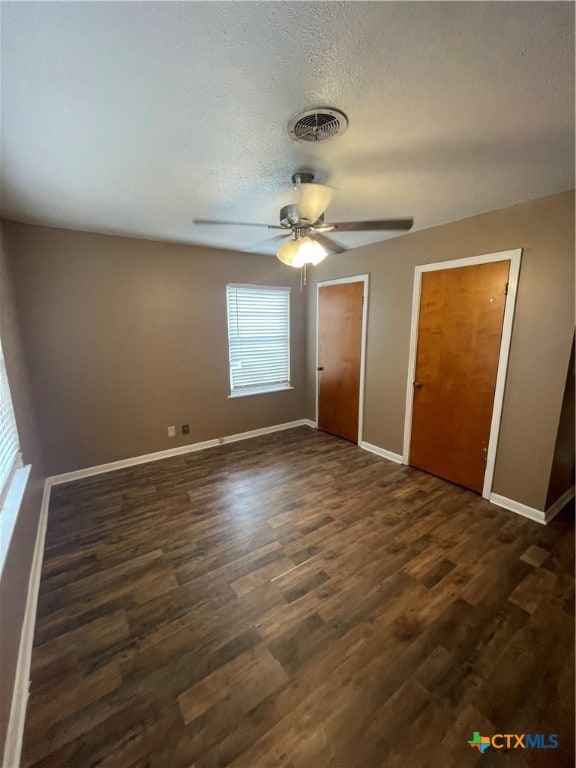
pixel 417 385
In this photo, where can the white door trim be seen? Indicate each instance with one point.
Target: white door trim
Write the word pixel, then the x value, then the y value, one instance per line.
pixel 355 279
pixel 515 257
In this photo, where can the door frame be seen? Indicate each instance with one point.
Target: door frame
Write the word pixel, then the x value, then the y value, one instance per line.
pixel 515 258
pixel 355 279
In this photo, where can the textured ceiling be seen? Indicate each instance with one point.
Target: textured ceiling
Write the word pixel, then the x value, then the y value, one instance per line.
pixel 134 118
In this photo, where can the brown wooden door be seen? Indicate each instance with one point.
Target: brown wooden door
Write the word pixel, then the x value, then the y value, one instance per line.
pixel 459 335
pixel 339 353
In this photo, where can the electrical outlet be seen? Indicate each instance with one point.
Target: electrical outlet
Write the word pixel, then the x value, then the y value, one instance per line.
pixel 171 431
pixel 185 429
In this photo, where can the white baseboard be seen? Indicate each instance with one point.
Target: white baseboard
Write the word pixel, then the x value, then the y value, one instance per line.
pixel 533 514
pixel 79 474
pixel 263 431
pixel 521 509
pixel 395 457
pixel 100 469
pixel 559 504
pixel 309 423
pixel 15 731
pixel 501 501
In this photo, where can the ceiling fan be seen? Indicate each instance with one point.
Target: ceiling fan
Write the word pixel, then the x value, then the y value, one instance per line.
pixel 304 224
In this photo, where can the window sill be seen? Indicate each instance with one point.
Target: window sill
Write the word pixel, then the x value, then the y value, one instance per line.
pixel 11 510
pixel 258 391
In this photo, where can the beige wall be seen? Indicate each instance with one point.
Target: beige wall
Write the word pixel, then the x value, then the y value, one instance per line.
pixel 541 338
pixel 127 336
pixel 16 573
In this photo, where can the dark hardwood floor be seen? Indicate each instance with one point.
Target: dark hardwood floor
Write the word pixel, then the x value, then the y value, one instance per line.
pixel 294 601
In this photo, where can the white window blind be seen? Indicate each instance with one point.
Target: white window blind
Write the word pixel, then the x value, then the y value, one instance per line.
pixel 258 338
pixel 9 446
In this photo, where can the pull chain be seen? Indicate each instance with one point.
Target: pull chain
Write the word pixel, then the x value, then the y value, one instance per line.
pixel 302 276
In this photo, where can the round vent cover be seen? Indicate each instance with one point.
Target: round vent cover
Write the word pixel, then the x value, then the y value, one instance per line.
pixel 317 124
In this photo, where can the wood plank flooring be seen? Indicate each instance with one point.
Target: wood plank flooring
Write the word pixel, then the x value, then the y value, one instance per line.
pixel 292 601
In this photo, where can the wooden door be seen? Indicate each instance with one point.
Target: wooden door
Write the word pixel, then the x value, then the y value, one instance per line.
pixel 339 355
pixel 459 335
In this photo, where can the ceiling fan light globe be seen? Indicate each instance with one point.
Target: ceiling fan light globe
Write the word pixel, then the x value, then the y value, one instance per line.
pixel 288 252
pixel 311 252
pixel 299 260
pixel 314 199
pixel 319 254
pixel 296 253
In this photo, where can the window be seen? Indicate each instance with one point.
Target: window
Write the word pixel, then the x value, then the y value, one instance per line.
pixel 8 434
pixel 258 339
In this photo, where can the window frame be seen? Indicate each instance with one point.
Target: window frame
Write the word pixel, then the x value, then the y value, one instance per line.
pixel 260 389
pixel 15 479
pixel 13 459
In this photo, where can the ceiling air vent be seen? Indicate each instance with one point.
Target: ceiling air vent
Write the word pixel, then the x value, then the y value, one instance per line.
pixel 317 124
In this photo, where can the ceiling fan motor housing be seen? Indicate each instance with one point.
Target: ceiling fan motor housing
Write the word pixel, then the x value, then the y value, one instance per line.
pixel 302 178
pixel 290 218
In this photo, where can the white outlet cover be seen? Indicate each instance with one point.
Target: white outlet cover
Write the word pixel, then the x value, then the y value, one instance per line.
pixel 171 431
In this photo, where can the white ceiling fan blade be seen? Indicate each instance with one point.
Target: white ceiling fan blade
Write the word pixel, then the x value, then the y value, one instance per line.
pixel 314 199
